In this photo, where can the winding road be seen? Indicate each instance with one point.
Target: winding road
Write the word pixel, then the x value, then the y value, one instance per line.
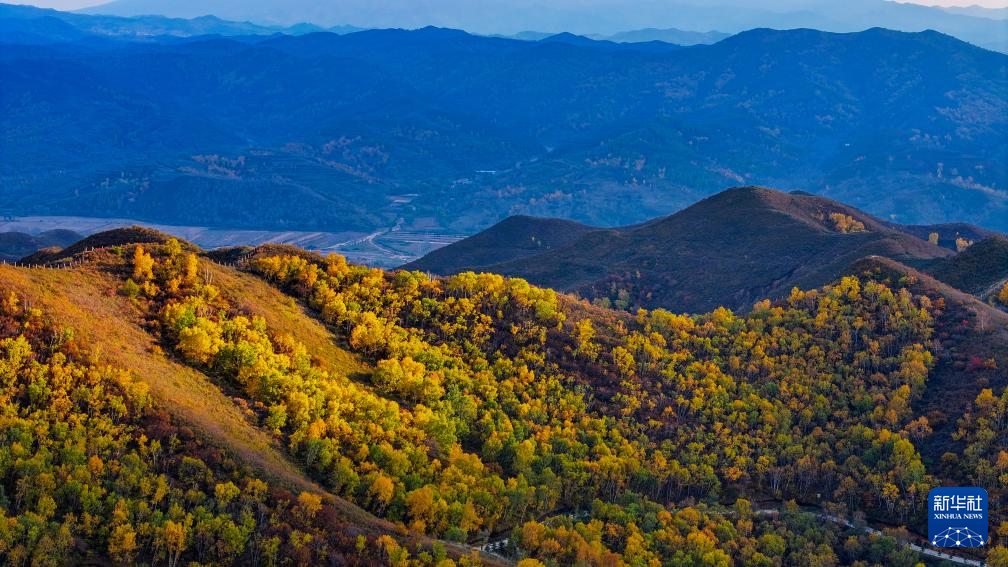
pixel 497 546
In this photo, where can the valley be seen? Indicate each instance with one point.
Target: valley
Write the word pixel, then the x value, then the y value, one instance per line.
pixel 386 248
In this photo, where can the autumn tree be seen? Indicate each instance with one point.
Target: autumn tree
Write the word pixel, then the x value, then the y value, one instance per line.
pixel 143 264
pixel 584 335
pixel 175 539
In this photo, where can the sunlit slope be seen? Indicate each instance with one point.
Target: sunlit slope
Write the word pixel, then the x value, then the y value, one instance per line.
pixel 286 316
pixel 85 288
pixel 86 300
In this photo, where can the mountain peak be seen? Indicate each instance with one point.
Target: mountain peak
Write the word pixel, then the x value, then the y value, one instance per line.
pixel 731 249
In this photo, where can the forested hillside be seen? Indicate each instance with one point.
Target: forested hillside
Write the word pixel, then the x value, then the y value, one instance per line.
pixel 479 408
pixel 451 132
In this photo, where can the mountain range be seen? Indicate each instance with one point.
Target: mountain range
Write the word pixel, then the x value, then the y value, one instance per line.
pixel 625 363
pixel 439 130
pixel 731 249
pixel 28 24
pixel 667 35
pixel 604 17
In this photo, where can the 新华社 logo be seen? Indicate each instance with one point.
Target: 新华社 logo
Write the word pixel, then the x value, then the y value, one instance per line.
pixel 957 517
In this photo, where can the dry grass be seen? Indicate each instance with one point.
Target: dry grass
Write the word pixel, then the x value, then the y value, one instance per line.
pixel 286 316
pixel 86 300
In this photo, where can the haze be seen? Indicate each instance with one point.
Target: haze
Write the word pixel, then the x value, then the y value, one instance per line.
pixel 78 4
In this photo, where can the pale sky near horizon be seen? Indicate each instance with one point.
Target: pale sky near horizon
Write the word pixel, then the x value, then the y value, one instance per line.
pixel 76 4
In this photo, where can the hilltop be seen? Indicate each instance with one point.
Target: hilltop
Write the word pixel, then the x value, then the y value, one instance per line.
pixel 14 245
pixel 731 249
pixel 513 238
pixel 980 269
pixel 105 239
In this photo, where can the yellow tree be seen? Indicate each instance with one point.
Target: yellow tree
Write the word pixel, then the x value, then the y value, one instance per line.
pixel 998 557
pixel 122 544
pixel 175 535
pixel 143 265
pixel 191 268
pixel 308 505
pixel 584 333
pixel 624 361
pixel 382 489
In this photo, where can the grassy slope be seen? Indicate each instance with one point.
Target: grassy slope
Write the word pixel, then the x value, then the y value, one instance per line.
pixel 286 316
pixel 86 300
pixel 80 297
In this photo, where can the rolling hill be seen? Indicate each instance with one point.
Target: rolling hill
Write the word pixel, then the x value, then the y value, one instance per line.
pixel 451 132
pixel 731 249
pixel 195 415
pixel 981 269
pixel 513 238
pixel 282 404
pixel 15 245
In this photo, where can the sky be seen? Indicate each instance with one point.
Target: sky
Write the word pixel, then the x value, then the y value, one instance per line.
pixel 76 4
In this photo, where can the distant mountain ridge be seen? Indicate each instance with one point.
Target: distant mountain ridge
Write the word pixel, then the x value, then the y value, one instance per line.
pixel 979 12
pixel 731 249
pixel 670 35
pixel 603 17
pixel 20 23
pixel 450 132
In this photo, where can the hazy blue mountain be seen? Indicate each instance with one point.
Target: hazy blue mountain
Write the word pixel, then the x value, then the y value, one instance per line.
pixel 451 131
pixel 528 35
pixel 979 12
pixel 670 35
pixel 18 23
pixel 604 17
pixel 651 35
pixel 582 41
